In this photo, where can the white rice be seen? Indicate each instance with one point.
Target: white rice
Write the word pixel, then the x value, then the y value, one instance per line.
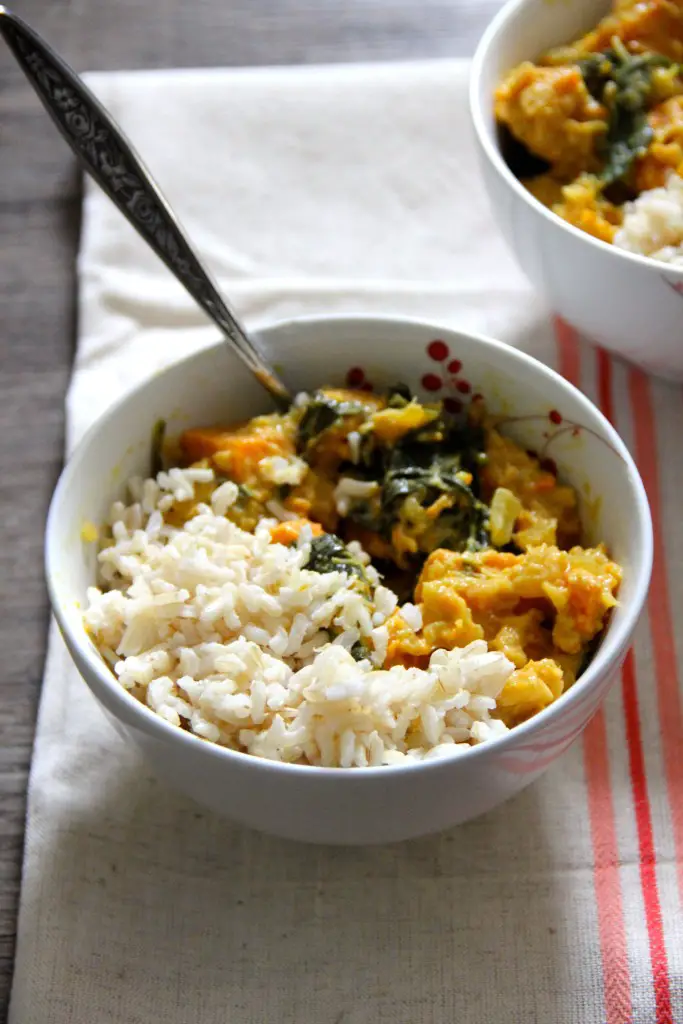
pixel 226 634
pixel 350 491
pixel 412 616
pixel 353 440
pixel 653 223
pixel 280 470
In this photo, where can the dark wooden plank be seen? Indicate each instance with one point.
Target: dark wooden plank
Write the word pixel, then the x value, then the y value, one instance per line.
pixel 39 223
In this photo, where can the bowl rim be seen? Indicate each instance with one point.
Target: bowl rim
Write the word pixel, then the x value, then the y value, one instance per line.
pixel 495 29
pixel 605 659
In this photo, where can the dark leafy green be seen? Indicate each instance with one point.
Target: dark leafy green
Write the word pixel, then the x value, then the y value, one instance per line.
pixel 330 554
pixel 425 472
pixel 622 82
pixel 398 396
pixel 320 413
pixel 365 513
pixel 158 436
pixel 360 652
pixel 424 465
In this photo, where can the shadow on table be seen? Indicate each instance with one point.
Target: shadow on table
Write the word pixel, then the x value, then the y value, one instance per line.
pixel 164 912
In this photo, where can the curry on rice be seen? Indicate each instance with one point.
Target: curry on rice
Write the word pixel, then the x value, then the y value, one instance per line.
pixel 594 128
pixel 456 516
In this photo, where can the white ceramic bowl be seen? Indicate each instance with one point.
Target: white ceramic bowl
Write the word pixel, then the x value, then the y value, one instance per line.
pixel 627 303
pixel 368 805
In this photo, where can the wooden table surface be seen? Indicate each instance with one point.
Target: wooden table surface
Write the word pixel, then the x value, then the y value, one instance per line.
pixel 39 226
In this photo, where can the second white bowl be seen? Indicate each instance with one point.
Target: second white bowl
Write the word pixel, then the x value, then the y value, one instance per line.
pixel 627 303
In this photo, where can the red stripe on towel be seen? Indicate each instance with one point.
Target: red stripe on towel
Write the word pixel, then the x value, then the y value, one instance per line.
pixel 634 743
pixel 606 878
pixel 661 623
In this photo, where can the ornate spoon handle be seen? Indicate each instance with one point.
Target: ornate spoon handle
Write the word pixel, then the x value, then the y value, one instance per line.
pixel 111 160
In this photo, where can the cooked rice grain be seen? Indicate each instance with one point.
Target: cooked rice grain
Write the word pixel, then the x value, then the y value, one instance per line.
pixel 653 223
pixel 228 635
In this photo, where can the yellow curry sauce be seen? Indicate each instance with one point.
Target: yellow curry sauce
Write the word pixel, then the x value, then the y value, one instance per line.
pixel 602 117
pixel 478 533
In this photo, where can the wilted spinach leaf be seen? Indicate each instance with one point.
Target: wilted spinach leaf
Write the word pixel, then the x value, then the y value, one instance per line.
pixel 427 473
pixel 622 82
pixel 320 413
pixel 330 554
pixel 398 396
pixel 424 465
pixel 359 652
pixel 158 435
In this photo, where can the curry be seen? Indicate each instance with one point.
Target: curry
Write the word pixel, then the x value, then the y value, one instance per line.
pixel 456 516
pixel 593 124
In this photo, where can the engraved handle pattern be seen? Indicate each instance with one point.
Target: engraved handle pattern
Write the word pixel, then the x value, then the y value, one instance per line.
pixel 111 160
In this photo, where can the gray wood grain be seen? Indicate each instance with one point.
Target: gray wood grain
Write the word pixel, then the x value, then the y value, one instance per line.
pixel 39 226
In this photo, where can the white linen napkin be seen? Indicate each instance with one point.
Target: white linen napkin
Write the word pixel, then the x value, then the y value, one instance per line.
pixel 350 188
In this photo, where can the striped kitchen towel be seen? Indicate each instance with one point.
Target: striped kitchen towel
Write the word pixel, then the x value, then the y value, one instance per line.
pixel 346 189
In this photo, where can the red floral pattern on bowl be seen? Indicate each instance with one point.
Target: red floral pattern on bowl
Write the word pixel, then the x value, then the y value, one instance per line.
pixel 445 380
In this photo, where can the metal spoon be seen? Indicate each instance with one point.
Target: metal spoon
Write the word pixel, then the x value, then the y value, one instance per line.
pixel 107 154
